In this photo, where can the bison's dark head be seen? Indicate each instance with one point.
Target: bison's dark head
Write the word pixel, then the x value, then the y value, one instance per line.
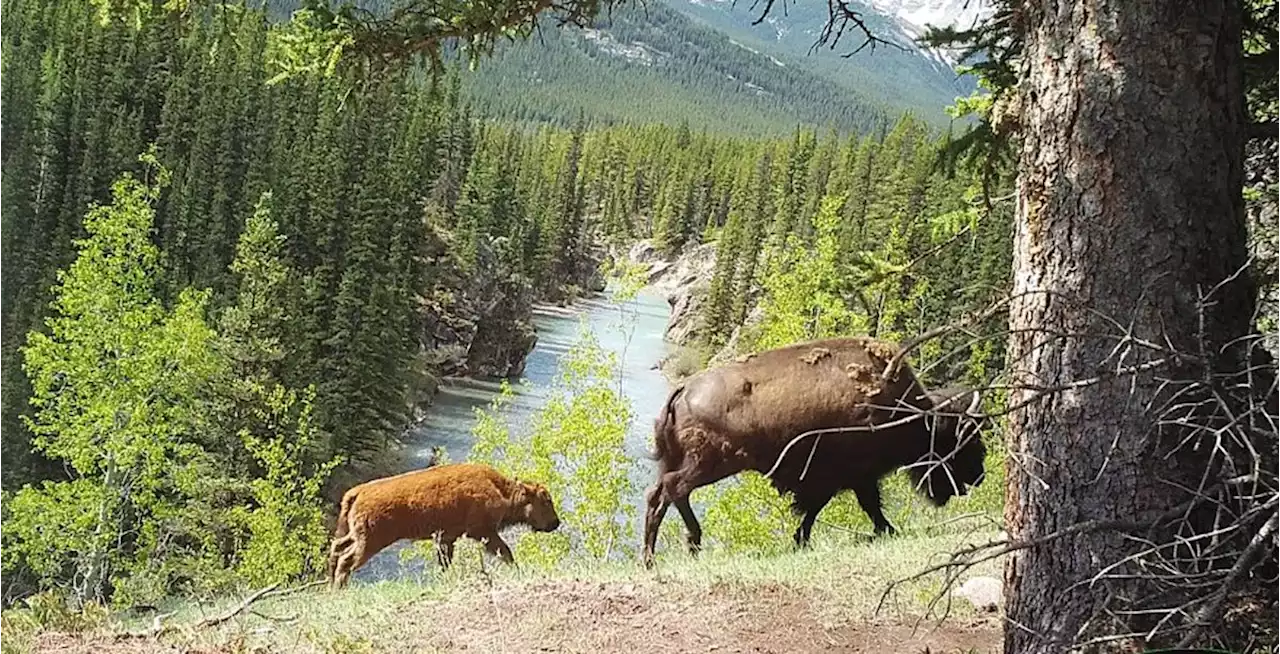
pixel 954 462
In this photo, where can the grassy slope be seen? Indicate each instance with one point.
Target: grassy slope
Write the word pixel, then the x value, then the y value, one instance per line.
pixel 823 599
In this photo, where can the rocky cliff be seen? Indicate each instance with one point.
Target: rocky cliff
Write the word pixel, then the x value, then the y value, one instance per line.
pixel 685 281
pixel 477 320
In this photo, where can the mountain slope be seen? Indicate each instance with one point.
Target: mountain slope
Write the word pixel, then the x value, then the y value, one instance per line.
pixel 701 62
pixel 904 77
pixel 653 64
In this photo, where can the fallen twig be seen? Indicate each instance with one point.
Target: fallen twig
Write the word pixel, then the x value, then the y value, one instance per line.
pixel 158 628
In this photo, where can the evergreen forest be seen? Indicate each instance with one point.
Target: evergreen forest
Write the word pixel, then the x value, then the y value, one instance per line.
pixel 283 270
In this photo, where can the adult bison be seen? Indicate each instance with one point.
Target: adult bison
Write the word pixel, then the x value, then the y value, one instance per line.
pixel 741 416
pixel 444 502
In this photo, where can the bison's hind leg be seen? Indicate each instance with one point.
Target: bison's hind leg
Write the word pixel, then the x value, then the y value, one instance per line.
pixel 675 488
pixel 656 509
pixel 356 555
pixel 694 536
pixel 336 549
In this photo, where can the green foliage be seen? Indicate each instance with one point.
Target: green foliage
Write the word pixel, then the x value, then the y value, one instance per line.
pixel 286 524
pixel 626 279
pixel 308 43
pixel 802 299
pixel 46 611
pixel 574 446
pixel 115 387
pixel 178 439
pixel 746 514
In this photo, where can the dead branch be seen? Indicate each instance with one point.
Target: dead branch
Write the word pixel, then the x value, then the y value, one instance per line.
pixel 841 17
pixel 964 559
pixel 159 629
pixel 891 370
pixel 1213 611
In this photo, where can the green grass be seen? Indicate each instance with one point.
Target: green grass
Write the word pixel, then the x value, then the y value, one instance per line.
pixel 845 573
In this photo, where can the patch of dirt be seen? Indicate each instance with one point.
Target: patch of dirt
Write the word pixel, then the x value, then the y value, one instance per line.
pixel 621 618
pixel 656 619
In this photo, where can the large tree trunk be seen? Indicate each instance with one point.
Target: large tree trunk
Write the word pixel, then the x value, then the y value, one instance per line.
pixel 1129 209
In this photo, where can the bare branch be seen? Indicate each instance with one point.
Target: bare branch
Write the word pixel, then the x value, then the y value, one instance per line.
pixel 159 629
pixel 891 370
pixel 1211 613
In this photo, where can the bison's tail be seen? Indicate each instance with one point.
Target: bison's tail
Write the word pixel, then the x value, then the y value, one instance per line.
pixel 341 528
pixel 663 425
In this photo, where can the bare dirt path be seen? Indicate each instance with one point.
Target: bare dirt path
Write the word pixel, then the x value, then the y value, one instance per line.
pixel 581 616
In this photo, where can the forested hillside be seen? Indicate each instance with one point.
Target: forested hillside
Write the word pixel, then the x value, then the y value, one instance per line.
pixel 652 65
pixel 900 71
pixel 321 251
pixel 868 236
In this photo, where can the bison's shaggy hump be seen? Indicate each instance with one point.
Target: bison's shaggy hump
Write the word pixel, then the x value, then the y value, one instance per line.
pixel 442 503
pixel 793 389
pixel 741 415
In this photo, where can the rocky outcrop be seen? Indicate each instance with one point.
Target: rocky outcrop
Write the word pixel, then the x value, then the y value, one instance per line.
pixel 985 593
pixel 731 347
pixel 476 322
pixel 685 281
pixel 583 278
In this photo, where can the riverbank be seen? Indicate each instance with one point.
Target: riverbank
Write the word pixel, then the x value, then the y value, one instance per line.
pixel 633 331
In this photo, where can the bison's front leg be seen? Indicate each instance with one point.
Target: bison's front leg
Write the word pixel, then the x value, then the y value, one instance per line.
pixel 444 552
pixel 494 544
pixel 694 535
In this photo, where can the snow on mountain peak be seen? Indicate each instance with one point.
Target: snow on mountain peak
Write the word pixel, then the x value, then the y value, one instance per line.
pixel 916 16
pixel 937 13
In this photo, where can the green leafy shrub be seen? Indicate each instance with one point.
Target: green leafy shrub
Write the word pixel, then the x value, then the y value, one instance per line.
pixel 117 385
pixel 574 445
pixel 286 530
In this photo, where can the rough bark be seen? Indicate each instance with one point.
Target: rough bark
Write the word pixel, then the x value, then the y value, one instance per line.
pixel 1129 207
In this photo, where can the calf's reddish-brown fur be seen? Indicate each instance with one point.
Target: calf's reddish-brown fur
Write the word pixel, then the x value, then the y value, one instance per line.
pixel 741 416
pixel 442 503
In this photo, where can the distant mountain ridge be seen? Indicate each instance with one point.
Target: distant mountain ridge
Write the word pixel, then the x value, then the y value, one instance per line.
pixel 704 63
pixel 654 65
pixel 906 77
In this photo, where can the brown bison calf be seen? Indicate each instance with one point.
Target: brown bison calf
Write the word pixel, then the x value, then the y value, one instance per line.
pixel 443 503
